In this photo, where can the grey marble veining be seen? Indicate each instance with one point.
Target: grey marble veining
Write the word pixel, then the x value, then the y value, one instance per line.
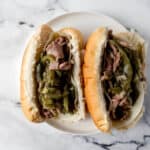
pixel 18 19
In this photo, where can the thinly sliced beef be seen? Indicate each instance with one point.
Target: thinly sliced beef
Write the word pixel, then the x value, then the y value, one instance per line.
pixel 116 57
pixel 61 41
pixel 109 64
pixel 105 75
pixel 115 101
pixel 118 104
pixel 65 66
pixel 54 65
pixel 119 108
pixel 62 66
pixel 111 61
pixel 50 113
pixel 125 43
pixel 56 49
pixel 47 113
pixel 123 102
pixel 116 61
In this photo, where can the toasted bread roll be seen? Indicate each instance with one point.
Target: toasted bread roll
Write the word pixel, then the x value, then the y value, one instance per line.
pixel 50 80
pixel 114 89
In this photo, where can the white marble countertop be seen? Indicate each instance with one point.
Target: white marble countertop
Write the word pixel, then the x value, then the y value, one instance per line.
pixel 18 18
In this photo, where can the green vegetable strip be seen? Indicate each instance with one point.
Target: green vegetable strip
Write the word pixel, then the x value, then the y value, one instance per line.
pixel 55 91
pixel 124 80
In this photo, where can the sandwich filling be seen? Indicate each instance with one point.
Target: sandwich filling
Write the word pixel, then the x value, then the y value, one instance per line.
pixel 122 71
pixel 55 90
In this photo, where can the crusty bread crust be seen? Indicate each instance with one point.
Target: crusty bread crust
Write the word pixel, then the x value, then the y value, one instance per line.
pixel 91 68
pixel 27 83
pixel 34 46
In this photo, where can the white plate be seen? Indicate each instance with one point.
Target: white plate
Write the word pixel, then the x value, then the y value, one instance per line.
pixel 86 22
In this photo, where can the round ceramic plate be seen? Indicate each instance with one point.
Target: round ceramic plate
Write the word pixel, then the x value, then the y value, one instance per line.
pixel 86 22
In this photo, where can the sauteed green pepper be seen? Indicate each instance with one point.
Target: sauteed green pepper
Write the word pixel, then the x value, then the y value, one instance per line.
pixel 121 84
pixel 126 70
pixel 56 92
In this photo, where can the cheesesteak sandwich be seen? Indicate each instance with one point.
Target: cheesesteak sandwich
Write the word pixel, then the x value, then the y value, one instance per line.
pixel 114 78
pixel 51 76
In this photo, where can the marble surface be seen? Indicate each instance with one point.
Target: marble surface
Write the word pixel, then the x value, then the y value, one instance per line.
pixel 18 19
